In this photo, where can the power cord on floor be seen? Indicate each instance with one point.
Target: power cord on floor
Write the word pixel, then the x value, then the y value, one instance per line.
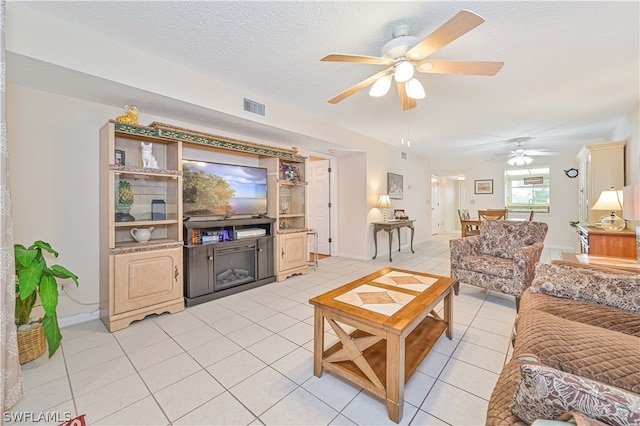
pixel 76 300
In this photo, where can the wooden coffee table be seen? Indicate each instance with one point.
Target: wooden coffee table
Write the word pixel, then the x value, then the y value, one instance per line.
pixel 396 325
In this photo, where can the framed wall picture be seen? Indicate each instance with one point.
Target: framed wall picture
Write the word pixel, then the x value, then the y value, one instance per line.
pixel 483 186
pixel 394 186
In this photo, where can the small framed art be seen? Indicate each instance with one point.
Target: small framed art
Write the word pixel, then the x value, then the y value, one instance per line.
pixel 394 186
pixel 483 186
pixel 119 157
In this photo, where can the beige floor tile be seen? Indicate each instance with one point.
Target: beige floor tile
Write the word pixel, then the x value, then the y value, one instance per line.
pixel 43 370
pixel 92 357
pixel 333 390
pixel 144 412
pixel 236 368
pixel 188 394
pixel 475 380
pixel 172 370
pixel 278 322
pixel 299 408
pixel 178 323
pixel 454 405
pixel 100 375
pixel 106 400
pixel 299 333
pixel 154 354
pixel 479 356
pixel 486 339
pixel 366 409
pixel 262 390
pixel 247 336
pixel 297 366
pixel 272 348
pixel 45 396
pixel 196 337
pixel 214 351
pixel 224 409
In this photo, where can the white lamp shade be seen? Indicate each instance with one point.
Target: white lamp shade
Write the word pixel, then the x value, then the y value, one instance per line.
pixel 520 160
pixel 404 71
pixel 414 89
pixel 609 200
pixel 631 207
pixel 380 87
pixel 384 202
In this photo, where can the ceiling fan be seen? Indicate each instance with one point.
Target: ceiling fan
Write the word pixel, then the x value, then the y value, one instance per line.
pixel 403 54
pixel 521 156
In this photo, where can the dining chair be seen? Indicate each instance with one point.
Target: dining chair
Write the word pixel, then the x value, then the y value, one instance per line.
pixel 493 214
pixel 467 229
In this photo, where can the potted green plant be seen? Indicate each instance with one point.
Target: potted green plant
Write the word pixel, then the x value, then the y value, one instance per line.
pixel 35 279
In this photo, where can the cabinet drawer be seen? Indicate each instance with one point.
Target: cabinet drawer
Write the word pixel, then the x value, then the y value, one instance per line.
pixel 147 278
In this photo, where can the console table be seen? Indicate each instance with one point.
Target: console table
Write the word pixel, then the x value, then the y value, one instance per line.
pixel 389 227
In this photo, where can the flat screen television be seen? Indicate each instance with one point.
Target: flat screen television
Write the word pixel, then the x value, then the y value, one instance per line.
pixel 216 189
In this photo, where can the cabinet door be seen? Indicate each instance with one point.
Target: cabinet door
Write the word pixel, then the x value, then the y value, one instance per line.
pixel 292 251
pixel 198 264
pixel 147 278
pixel 265 258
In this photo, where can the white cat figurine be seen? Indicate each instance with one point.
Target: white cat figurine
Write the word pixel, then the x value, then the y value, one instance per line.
pixel 148 160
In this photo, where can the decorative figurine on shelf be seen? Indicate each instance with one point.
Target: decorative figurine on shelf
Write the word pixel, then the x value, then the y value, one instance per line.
pixel 284 205
pixel 131 116
pixel 289 172
pixel 124 202
pixel 148 160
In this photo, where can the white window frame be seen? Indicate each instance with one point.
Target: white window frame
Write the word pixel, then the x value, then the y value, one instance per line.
pixel 517 174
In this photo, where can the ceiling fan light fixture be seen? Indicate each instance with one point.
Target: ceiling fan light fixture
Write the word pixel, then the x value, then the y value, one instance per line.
pixel 520 160
pixel 404 71
pixel 380 87
pixel 414 89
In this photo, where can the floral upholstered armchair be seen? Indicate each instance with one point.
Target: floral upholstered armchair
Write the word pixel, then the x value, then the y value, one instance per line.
pixel 502 258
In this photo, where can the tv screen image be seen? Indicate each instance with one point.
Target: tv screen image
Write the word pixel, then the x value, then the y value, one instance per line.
pixel 216 189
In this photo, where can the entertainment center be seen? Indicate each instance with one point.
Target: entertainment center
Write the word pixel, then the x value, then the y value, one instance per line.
pixel 176 231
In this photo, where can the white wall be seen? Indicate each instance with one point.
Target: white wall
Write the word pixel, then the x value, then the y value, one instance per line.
pixel 564 193
pixel 629 130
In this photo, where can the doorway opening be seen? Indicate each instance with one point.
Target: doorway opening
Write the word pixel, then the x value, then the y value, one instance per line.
pixel 321 210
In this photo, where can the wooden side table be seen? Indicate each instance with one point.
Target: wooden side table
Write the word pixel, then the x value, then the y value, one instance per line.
pixel 596 241
pixel 389 227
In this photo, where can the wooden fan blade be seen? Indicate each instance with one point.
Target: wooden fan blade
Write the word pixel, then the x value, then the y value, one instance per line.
pixel 405 100
pixel 454 28
pixel 364 83
pixel 458 67
pixel 337 57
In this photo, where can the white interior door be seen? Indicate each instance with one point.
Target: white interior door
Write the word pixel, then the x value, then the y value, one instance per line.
pixel 319 181
pixel 435 205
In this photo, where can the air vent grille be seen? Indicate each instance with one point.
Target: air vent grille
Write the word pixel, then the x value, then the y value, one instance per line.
pixel 254 107
pixel 403 155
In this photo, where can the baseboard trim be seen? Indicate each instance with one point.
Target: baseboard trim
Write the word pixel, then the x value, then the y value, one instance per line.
pixel 78 319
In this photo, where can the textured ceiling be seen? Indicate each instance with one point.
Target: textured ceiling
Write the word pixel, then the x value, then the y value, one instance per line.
pixel 571 68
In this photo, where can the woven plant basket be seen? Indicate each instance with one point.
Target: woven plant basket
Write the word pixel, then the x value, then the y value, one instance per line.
pixel 31 343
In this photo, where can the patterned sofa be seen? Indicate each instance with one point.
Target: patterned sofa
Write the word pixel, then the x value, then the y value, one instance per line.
pixel 576 350
pixel 501 258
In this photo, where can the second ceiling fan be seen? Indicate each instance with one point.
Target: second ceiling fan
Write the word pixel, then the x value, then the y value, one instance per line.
pixel 404 54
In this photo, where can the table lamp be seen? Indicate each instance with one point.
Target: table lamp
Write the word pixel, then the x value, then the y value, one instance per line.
pixel 610 200
pixel 384 203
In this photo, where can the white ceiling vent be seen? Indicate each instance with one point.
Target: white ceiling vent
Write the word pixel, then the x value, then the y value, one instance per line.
pixel 403 155
pixel 254 107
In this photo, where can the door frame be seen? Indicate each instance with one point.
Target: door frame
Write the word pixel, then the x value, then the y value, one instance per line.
pixel 333 190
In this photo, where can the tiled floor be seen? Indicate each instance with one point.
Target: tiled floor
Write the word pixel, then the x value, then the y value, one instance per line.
pixel 247 359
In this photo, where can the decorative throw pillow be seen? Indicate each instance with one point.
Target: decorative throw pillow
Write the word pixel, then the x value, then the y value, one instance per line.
pixel 547 393
pixel 619 290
